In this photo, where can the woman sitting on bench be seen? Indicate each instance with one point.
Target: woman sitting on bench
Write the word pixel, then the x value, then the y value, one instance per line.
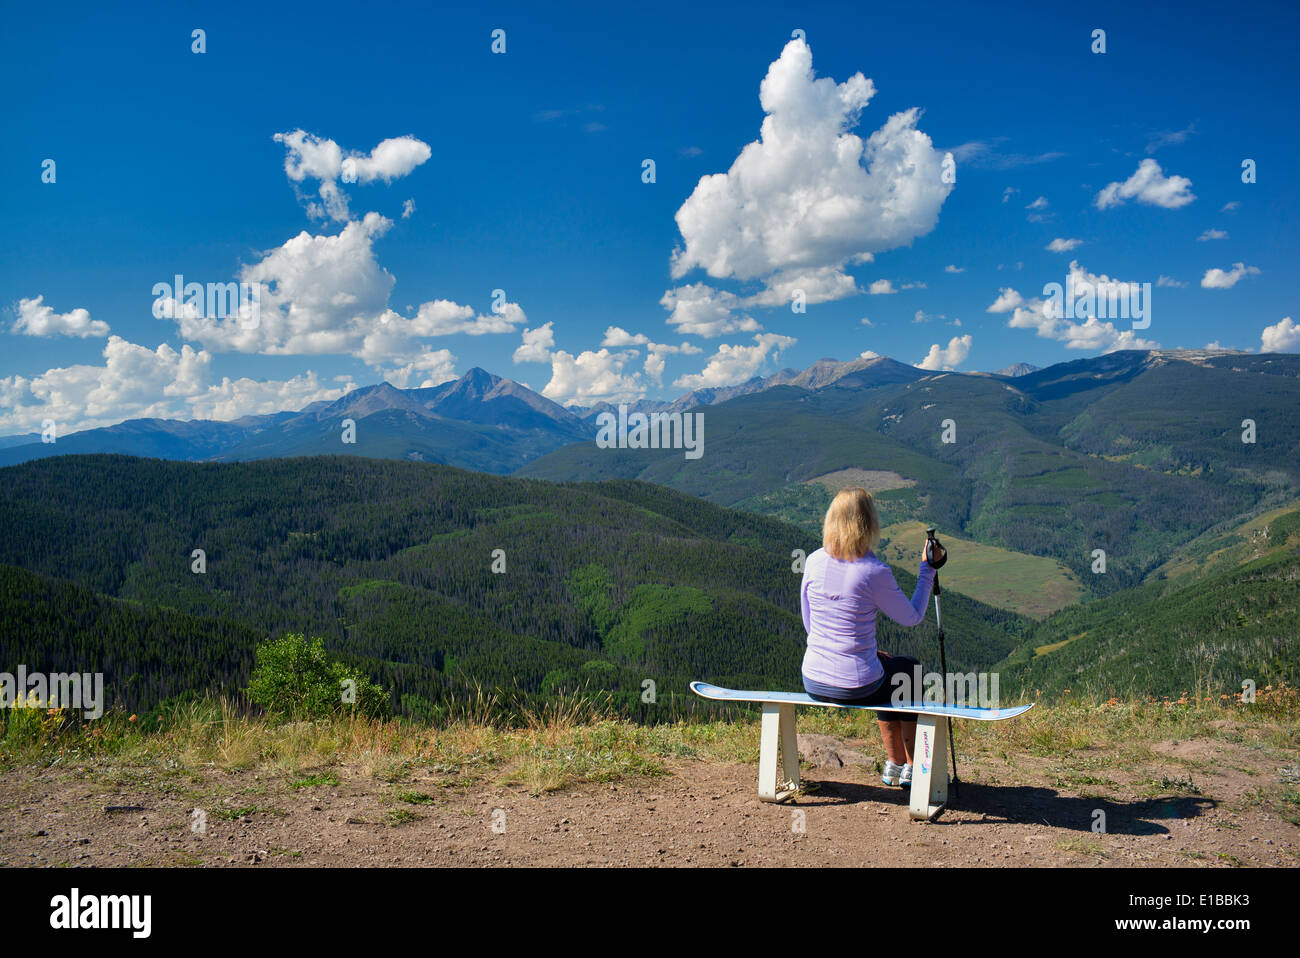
pixel 844 586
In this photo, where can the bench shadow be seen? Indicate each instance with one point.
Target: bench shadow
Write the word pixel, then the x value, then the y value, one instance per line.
pixel 1024 805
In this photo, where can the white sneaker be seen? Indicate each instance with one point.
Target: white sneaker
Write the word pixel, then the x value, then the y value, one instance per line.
pixel 905 776
pixel 890 774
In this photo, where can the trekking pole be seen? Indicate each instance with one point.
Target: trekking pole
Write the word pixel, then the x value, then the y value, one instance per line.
pixel 943 657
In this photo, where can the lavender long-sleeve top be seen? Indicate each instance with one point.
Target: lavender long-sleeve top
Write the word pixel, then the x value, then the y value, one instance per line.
pixel 840 601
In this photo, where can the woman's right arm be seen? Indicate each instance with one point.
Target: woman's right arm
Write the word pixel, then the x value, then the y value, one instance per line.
pixel 889 598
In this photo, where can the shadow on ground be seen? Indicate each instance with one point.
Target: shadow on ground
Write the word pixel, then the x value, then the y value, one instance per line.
pixel 1026 805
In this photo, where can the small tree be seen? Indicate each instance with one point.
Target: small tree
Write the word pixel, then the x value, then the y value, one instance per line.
pixel 295 676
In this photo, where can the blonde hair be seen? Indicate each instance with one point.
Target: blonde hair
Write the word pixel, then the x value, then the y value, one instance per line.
pixel 851 526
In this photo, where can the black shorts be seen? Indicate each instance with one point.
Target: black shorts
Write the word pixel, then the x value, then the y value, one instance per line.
pixel 879 694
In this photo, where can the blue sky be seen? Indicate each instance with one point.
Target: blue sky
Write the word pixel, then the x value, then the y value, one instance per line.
pixel 524 172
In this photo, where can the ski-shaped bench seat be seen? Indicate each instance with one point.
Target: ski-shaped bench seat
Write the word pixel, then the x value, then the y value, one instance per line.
pixel 929 773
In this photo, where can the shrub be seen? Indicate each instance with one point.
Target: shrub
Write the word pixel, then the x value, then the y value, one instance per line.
pixel 29 722
pixel 295 677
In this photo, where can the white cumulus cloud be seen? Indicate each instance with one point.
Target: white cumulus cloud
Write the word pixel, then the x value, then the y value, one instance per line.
pixel 947 357
pixel 656 357
pixel 233 398
pixel 809 196
pixel 581 378
pixel 1221 279
pixel 657 354
pixel 810 193
pixel 321 159
pixel 822 285
pixel 698 309
pixel 1282 337
pixel 1046 319
pixel 537 345
pixel 736 364
pixel 618 336
pixel 137 382
pixel 592 376
pixel 328 294
pixel 1148 185
pixel 1008 299
pixel 317 294
pixel 37 319
pixel 429 368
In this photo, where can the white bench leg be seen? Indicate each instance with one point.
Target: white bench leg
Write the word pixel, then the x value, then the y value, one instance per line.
pixel 930 768
pixel 778 733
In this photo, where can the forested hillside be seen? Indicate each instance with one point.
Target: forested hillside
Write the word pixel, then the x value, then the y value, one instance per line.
pixel 147 653
pixel 1207 637
pixel 1227 612
pixel 605 585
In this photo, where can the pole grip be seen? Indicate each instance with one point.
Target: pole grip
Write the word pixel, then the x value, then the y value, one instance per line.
pixel 935 554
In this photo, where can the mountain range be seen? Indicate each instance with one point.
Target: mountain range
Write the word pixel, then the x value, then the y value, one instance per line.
pixel 863 372
pixel 479 421
pixel 1134 453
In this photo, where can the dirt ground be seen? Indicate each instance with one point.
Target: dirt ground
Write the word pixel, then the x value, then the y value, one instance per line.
pixel 699 814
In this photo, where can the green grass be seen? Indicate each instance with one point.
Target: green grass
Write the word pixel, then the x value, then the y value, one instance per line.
pixel 1071 479
pixel 370 585
pixel 1053 646
pixel 315 781
pixel 650 607
pixel 1085 742
pixel 1089 846
pixel 412 797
